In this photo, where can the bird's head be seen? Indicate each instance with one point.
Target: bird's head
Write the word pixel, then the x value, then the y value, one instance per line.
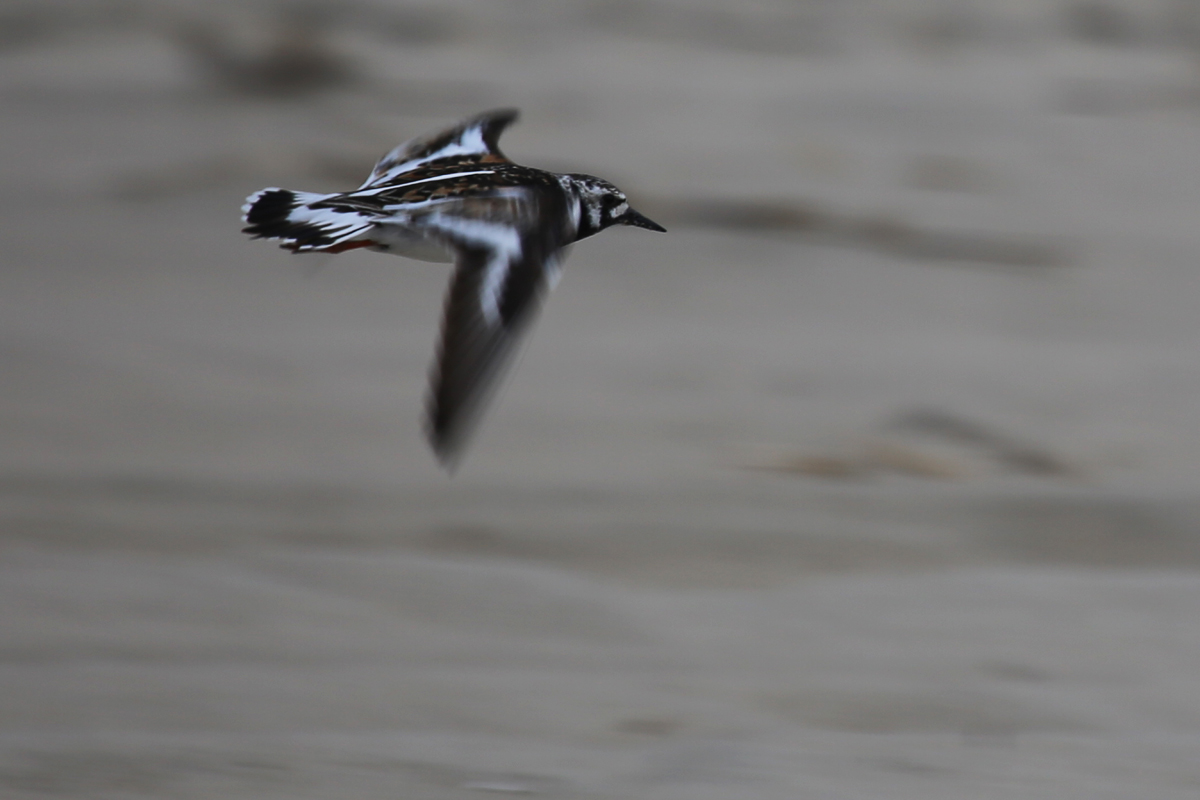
pixel 602 205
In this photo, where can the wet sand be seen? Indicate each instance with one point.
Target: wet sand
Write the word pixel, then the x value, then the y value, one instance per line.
pixel 875 477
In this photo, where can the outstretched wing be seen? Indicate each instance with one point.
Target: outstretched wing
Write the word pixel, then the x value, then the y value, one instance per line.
pixel 473 139
pixel 506 265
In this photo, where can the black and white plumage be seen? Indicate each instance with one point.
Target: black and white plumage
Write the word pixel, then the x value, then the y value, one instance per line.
pixel 454 196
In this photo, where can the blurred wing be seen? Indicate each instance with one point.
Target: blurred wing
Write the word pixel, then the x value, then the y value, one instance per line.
pixel 475 139
pixel 506 265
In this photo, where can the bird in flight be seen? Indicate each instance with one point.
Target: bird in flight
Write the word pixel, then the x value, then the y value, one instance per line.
pixel 453 196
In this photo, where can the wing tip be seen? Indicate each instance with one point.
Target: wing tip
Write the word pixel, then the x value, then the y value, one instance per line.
pixel 490 124
pixel 445 440
pixel 506 115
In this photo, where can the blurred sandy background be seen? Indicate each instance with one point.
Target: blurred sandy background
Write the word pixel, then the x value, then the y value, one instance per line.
pixel 876 477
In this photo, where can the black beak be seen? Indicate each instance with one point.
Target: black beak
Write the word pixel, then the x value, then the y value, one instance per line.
pixel 635 219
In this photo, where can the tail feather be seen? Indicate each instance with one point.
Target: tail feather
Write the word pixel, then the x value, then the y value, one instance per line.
pixel 300 220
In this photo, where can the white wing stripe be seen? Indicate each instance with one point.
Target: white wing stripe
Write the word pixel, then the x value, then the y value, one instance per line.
pixel 470 142
pixel 503 241
pixel 493 285
pixel 391 186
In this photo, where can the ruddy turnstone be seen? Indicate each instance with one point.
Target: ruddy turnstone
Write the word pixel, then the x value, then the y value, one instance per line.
pixel 454 196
